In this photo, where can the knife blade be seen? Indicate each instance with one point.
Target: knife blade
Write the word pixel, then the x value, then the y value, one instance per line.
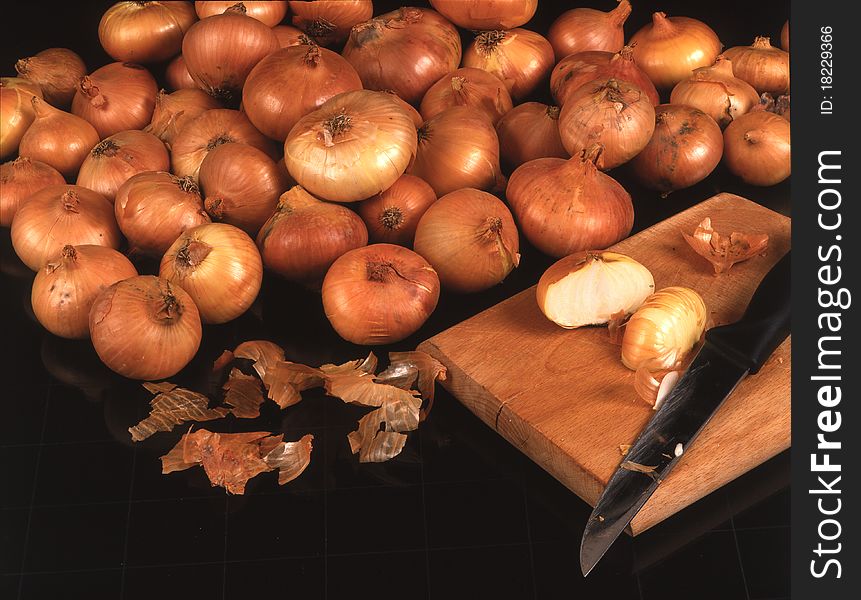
pixel 729 354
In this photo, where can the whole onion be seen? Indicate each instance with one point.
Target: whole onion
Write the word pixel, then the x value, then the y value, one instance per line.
pixel 393 215
pixel 16 112
pixel 56 71
pixel 717 92
pixel 529 131
pixel 328 22
pixel 58 138
pixel 757 148
pixel 522 59
pixel 784 36
pixel 20 179
pixel 177 75
pixel 584 29
pixel 269 13
pixel 116 97
pixel 116 158
pixel 145 32
pixel 468 87
pixel 486 14
pixel 173 111
pixel 576 70
pixel 763 66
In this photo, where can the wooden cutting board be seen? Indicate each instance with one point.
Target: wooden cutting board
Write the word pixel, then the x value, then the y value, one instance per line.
pixel 564 398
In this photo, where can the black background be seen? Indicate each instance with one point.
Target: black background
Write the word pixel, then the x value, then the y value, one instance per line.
pixel 85 513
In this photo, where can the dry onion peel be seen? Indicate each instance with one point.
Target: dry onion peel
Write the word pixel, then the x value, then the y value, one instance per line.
pixel 243 395
pixel 172 406
pixel 724 251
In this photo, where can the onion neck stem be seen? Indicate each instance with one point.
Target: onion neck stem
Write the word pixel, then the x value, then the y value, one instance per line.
pixel 318 27
pixel 620 14
pixel 553 112
pixel 392 218
pixel 238 8
pixel 169 307
pixel 488 42
pixel 91 91
pixel 70 201
pixel 192 254
pixel 186 184
pixel 218 140
pixel 104 148
pixel 762 42
pixel 661 24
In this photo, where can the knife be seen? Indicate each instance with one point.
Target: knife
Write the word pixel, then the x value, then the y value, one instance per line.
pixel 730 353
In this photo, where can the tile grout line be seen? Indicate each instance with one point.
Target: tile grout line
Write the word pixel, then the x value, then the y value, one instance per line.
pixel 529 537
pixel 128 523
pixel 424 513
pixel 738 555
pixel 224 555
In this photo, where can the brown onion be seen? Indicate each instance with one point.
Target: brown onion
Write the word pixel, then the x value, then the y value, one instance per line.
pixel 220 268
pixel 687 145
pixel 763 66
pixel 177 75
pixel 414 114
pixel 290 83
pixel 57 71
pixel 467 87
pixel 16 112
pixel 576 70
pixel 145 32
pixel 522 59
pixel 565 206
pixel 352 147
pixel 289 36
pixel 757 148
pixel 173 111
pixel 379 294
pixel 305 236
pixel 584 29
pixel 669 48
pixel 113 160
pixel 20 179
pixel 529 131
pixel 208 131
pixel 469 237
pixel 613 113
pixel 241 185
pixel 58 139
pixel 116 97
pixel 406 51
pixel 145 327
pixel 59 215
pixel 221 50
pixel 486 14
pixel 393 215
pixel 450 159
pixel 717 92
pixel 784 36
pixel 271 13
pixel 328 22
pixel 66 287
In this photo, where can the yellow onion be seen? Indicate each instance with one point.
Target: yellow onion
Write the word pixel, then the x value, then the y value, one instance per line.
pixel 757 148
pixel 177 75
pixel 576 70
pixel 522 59
pixel 784 36
pixel 414 114
pixel 717 92
pixel 56 71
pixel 405 51
pixel 393 215
pixel 354 146
pixel 270 13
pixel 763 66
pixel 58 139
pixel 66 287
pixel 113 160
pixel 173 111
pixel 470 239
pixel 467 87
pixel 566 206
pixel 529 131
pixel 16 112
pixel 585 29
pixel 379 294
pixel 145 32
pixel 486 14
pixel 145 327
pixel 116 97
pixel 289 36
pixel 592 287
pixel 664 329
pixel 20 179
pixel 328 22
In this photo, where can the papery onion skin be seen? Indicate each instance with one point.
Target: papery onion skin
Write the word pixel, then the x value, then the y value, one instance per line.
pixel 290 83
pixel 567 206
pixel 177 75
pixel 576 70
pixel 763 66
pixel 664 329
pixel 57 71
pixel 59 139
pixel 393 215
pixel 686 147
pixel 468 87
pixel 20 179
pixel 17 112
pixel 220 268
pixel 270 13
pixel 354 146
pixel 173 111
pixel 784 36
pixel 470 239
pixel 522 59
pixel 379 294
pixel 328 22
pixel 66 287
pixel 585 29
pixel 145 327
pixel 405 51
pixel 145 32
pixel 289 36
pixel 116 97
pixel 529 131
pixel 613 113
pixel 669 48
pixel 116 158
pixel 305 235
pixel 757 148
pixel 449 160
pixel 154 208
pixel 717 92
pixel 59 215
pixel 241 185
pixel 484 14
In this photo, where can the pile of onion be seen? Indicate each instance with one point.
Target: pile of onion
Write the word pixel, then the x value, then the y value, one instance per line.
pixel 20 179
pixel 484 15
pixel 467 87
pixel 529 131
pixel 669 48
pixel 585 29
pixel 449 159
pixel 16 112
pixel 393 215
pixel 717 92
pixel 522 59
pixel 762 65
pixel 154 208
pixel 220 268
pixel 173 111
pixel 328 22
pixel 687 145
pixel 116 97
pixel 405 51
pixel 613 113
pixel 355 145
pixel 270 13
pixel 66 287
pixel 379 294
pixel 470 239
pixel 565 206
pixel 57 71
pixel 305 236
pixel 757 148
pixel 290 83
pixel 177 75
pixel 576 70
pixel 58 139
pixel 145 32
pixel 59 215
pixel 145 327
pixel 113 160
